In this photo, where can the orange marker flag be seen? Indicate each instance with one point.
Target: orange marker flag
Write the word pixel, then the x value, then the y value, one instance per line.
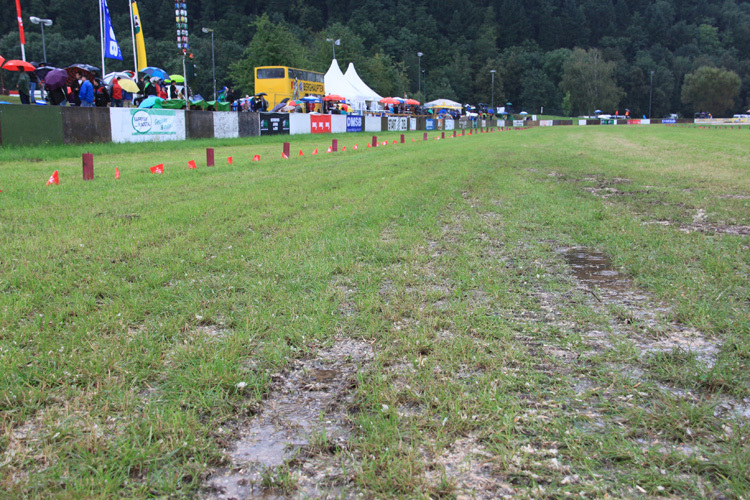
pixel 355 147
pixel 394 141
pixel 283 155
pixel 256 158
pixel 117 172
pixel 385 143
pixel 191 164
pixel 329 149
pixel 158 169
pixel 301 153
pixel 230 160
pixel 343 149
pixel 369 145
pixel 316 151
pixel 412 140
pixel 54 178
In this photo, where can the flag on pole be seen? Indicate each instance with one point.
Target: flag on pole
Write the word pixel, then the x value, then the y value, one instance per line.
pixel 111 47
pixel 20 22
pixel 139 43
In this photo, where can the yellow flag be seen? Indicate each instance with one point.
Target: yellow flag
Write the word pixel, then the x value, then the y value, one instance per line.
pixel 140 46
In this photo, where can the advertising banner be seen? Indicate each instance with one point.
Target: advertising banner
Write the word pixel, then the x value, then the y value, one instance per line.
pixel 669 120
pixel 226 125
pixel 372 123
pixel 145 124
pixel 274 123
pixel 582 122
pixel 430 124
pixel 518 123
pixel 449 124
pixel 412 124
pixel 609 122
pixel 545 123
pixel 299 123
pixel 396 124
pixel 634 122
pixel 501 123
pixel 354 123
pixel 338 124
pixel 320 124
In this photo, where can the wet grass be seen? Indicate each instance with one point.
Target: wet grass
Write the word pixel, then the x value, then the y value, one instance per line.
pixel 141 320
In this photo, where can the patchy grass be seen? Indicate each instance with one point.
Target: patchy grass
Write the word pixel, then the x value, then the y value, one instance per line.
pixel 147 323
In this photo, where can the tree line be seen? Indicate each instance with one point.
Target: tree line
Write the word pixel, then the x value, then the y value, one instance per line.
pixel 567 56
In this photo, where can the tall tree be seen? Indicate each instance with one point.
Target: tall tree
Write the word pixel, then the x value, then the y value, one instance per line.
pixel 711 89
pixel 590 81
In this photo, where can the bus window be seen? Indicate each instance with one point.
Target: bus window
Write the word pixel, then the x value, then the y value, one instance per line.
pixel 268 73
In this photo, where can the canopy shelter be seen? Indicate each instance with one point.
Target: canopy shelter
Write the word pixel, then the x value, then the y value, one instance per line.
pixel 443 103
pixel 336 83
pixel 365 91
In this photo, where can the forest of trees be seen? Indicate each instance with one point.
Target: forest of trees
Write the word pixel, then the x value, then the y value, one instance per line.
pixel 567 56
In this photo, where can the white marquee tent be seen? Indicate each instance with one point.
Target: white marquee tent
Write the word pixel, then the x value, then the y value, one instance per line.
pixel 336 83
pixel 364 90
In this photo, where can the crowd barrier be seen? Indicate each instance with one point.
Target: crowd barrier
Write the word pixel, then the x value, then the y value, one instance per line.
pixel 34 125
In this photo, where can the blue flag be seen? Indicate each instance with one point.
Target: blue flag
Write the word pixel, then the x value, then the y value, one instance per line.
pixel 111 48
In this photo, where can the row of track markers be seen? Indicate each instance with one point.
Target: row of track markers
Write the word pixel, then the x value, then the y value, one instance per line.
pixel 88 158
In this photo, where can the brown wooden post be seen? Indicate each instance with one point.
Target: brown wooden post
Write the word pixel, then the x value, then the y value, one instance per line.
pixel 209 157
pixel 88 167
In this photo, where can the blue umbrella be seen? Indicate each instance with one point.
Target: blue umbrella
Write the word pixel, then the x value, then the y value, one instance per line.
pixel 597 111
pixel 151 102
pixel 310 98
pixel 155 72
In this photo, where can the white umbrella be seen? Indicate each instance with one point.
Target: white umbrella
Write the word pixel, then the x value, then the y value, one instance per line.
pixel 523 113
pixel 443 103
pixel 116 74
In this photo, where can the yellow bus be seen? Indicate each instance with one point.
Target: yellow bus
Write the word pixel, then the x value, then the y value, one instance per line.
pixel 280 82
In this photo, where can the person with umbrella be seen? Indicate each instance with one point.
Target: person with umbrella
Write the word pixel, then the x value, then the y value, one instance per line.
pixel 116 97
pixel 23 87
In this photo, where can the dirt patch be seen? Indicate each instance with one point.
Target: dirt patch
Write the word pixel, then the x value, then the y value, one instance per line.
pixel 289 447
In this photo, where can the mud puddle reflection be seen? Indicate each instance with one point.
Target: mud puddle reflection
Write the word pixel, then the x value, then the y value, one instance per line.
pixel 304 410
pixel 593 268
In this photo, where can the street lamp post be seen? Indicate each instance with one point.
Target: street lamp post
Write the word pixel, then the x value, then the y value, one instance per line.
pixel 493 89
pixel 650 95
pixel 335 42
pixel 419 73
pixel 42 23
pixel 424 81
pixel 213 56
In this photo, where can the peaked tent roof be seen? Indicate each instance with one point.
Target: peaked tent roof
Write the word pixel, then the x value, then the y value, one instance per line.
pixel 353 78
pixel 336 83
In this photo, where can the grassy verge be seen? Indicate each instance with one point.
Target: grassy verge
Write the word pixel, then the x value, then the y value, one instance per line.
pixel 141 319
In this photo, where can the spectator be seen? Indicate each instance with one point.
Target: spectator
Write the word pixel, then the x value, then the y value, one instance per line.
pixel 86 94
pixel 101 96
pixel 73 91
pixel 23 87
pixel 116 101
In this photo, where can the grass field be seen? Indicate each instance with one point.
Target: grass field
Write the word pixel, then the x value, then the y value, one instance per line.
pixel 547 313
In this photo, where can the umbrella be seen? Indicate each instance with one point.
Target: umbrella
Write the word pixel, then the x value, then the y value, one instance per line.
pixel 128 85
pixel 177 78
pixel 56 78
pixel 43 71
pixel 523 113
pixel 443 103
pixel 310 98
pixel 151 102
pixel 389 100
pixel 155 72
pixel 262 93
pixel 16 65
pixel 597 111
pixel 278 107
pixel 2 61
pixel 334 97
pixel 412 102
pixel 72 70
pixel 115 74
pixel 87 67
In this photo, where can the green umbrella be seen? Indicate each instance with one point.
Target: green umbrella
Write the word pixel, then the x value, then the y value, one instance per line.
pixel 177 78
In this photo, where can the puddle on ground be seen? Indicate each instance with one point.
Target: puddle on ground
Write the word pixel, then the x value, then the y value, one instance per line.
pixel 593 268
pixel 303 410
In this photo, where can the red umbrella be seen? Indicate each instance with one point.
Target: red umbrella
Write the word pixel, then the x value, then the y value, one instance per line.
pixel 412 102
pixel 16 65
pixel 334 97
pixel 2 60
pixel 389 100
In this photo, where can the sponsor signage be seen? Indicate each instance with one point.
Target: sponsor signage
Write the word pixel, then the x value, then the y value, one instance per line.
pixel 320 124
pixel 518 123
pixel 274 123
pixel 397 123
pixel 354 123
pixel 152 121
pixel 610 121
pixel 412 124
pixel 430 125
pixel 449 124
pixel 669 120
pixel 545 123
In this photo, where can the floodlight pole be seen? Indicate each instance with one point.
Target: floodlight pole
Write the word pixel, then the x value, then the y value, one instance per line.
pixel 213 57
pixel 334 42
pixel 651 94
pixel 419 75
pixel 493 89
pixel 424 80
pixel 42 22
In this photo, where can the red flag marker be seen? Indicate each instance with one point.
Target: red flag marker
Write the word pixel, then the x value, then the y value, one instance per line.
pixel 284 156
pixel 385 143
pixel 191 164
pixel 256 158
pixel 343 149
pixel 301 153
pixel 117 172
pixel 54 178
pixel 316 151
pixel 394 141
pixel 230 160
pixel 329 149
pixel 412 140
pixel 158 169
pixel 369 145
pixel 355 147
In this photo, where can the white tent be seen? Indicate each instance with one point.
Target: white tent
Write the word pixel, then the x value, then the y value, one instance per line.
pixel 362 87
pixel 336 83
